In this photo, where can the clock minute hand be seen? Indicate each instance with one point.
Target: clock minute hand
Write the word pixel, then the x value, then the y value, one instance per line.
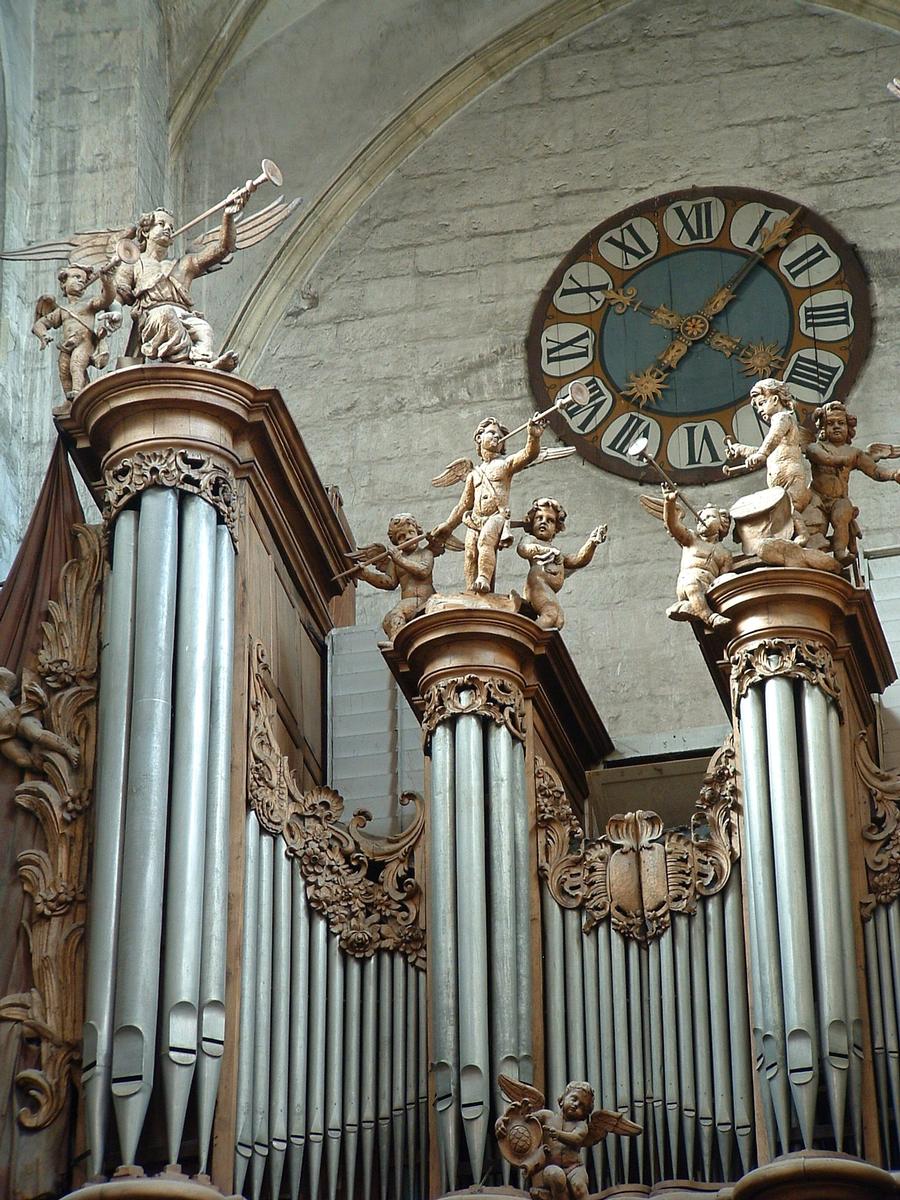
pixel 777 236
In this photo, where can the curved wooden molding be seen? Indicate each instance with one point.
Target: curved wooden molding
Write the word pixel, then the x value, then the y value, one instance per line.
pixel 881 837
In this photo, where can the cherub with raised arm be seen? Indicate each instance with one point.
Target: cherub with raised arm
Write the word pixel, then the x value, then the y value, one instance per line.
pixel 484 504
pixel 781 450
pixel 832 458
pixel 547 1145
pixel 83 335
pixel 408 565
pixel 23 738
pixel 703 557
pixel 549 566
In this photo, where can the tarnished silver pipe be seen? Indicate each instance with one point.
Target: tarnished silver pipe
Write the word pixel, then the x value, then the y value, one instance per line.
pixel 592 1040
pixel 422 1090
pixel 501 815
pixel 702 1047
pixel 110 775
pixel 524 870
pixel 622 1043
pixel 788 836
pixel 576 1061
pixel 146 811
pixel 471 924
pixel 834 1039
pixel 713 909
pixel 334 1059
pixel 849 917
pixel 244 1106
pixel 647 1158
pixel 687 1085
pixel 279 1067
pixel 876 1020
pixel 215 880
pixel 187 849
pixel 554 993
pixel 739 1019
pixel 368 1071
pixel 262 1041
pixel 889 1009
pixel 352 1042
pixel 398 1068
pixel 315 1060
pixel 608 1092
pixel 670 1048
pixel 299 1028
pixel 444 1055
pixel 759 864
pixel 656 1076
pixel 385 1038
pixel 412 1074
pixel 636 1047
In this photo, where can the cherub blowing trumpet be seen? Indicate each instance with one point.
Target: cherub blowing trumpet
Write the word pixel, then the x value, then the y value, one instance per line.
pixel 549 566
pixel 548 1145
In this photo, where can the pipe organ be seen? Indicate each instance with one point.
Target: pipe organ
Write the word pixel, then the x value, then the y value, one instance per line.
pixel 280 1004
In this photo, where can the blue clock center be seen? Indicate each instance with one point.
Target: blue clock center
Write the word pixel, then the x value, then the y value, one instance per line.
pixel 705 380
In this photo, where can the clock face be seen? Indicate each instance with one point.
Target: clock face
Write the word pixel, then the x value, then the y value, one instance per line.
pixel 670 311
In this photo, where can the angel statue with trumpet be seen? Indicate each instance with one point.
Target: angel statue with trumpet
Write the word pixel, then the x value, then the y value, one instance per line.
pixel 483 506
pixel 548 1145
pixel 156 283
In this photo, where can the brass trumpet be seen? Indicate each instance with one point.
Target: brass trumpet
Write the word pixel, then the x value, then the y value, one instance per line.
pixel 269 173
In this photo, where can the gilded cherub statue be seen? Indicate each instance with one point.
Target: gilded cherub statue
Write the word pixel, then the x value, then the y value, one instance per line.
pixel 703 557
pixel 483 506
pixel 22 735
pixel 84 323
pixel 781 450
pixel 409 567
pixel 549 566
pixel 548 1146
pixel 832 458
pixel 156 283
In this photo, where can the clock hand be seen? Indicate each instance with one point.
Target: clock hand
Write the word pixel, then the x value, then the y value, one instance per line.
pixel 777 236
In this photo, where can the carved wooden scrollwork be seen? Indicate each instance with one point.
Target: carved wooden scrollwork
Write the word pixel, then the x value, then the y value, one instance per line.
pixel 488 696
pixel 798 659
pixel 365 887
pixel 881 837
pixel 188 470
pixel 52 729
pixel 638 873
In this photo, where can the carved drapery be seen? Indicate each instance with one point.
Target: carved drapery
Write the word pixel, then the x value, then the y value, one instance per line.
pixel 187 470
pixel 638 873
pixel 881 837
pixel 365 887
pixel 485 695
pixel 54 724
pixel 798 659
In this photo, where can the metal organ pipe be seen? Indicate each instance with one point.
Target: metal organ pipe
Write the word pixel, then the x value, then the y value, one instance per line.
pixel 368 1068
pixel 281 996
pixel 263 1030
pixel 299 1018
pixel 244 1108
pixel 111 771
pixel 333 1064
pixel 353 1024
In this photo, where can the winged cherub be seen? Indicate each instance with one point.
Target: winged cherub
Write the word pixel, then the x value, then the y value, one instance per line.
pixel 83 332
pixel 703 557
pixel 549 566
pixel 833 457
pixel 548 1145
pixel 483 506
pixel 781 450
pixel 409 567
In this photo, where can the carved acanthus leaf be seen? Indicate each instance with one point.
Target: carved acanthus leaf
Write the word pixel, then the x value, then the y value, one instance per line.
pixel 57 711
pixel 881 837
pixel 797 659
pixel 187 470
pixel 489 696
pixel 638 873
pixel 365 887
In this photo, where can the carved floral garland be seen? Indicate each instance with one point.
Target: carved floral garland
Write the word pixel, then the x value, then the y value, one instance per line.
pixel 365 887
pixel 489 696
pixel 779 656
pixel 58 791
pixel 881 838
pixel 637 874
pixel 187 470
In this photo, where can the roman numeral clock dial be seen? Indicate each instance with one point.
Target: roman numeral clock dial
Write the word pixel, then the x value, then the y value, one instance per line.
pixel 671 311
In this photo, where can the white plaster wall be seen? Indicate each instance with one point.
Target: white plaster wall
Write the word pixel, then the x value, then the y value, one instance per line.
pixel 425 296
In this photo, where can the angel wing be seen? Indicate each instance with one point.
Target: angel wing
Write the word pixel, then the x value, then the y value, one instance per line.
pixel 602 1121
pixel 654 505
pixel 448 542
pixel 551 453
pixel 517 1092
pixel 455 473
pixel 90 249
pixel 248 230
pixel 44 307
pixel 367 554
pixel 880 450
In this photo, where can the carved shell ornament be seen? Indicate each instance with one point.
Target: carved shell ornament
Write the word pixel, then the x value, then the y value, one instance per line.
pixel 800 659
pixel 489 696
